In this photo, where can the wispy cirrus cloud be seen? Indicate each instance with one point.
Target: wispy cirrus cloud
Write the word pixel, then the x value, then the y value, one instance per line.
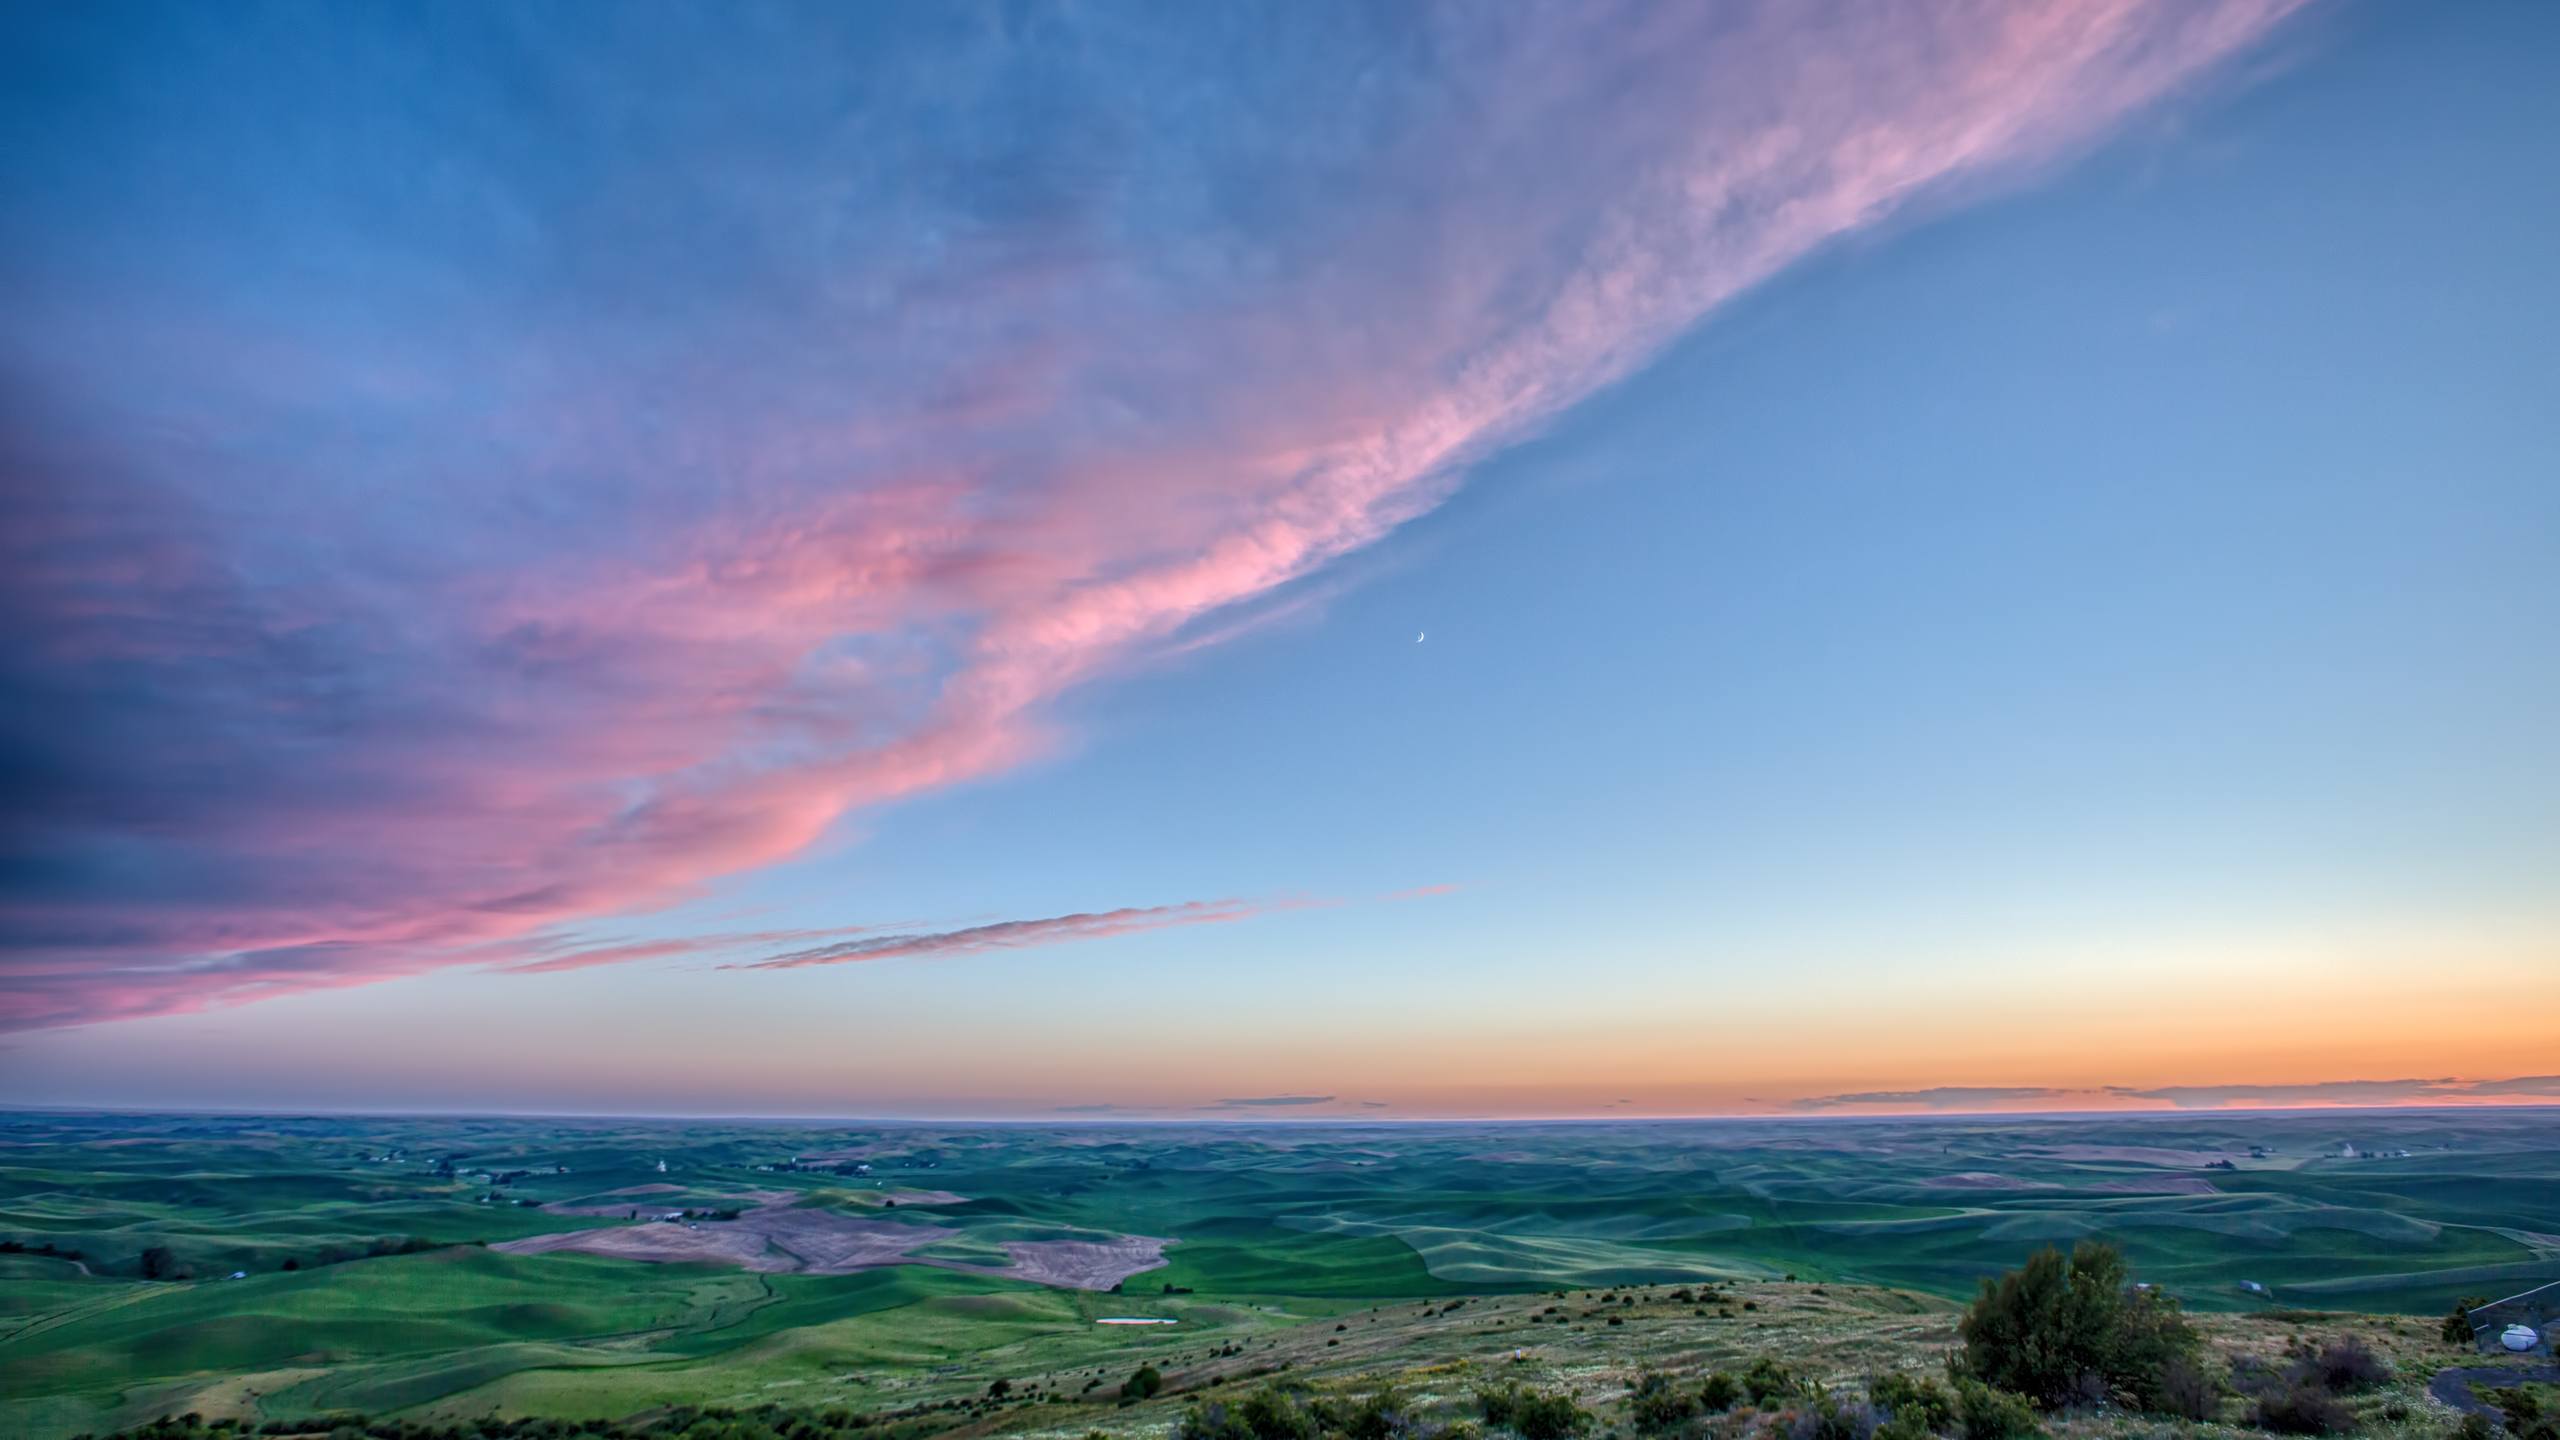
pixel 2313 1093
pixel 752 423
pixel 1939 1097
pixel 2345 1092
pixel 1013 934
pixel 566 953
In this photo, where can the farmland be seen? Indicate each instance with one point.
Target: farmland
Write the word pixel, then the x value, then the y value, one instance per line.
pixel 600 1268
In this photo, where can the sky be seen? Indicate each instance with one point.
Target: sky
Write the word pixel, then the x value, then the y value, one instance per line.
pixel 1291 561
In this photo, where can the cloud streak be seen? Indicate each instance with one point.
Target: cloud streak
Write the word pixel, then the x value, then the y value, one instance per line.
pixel 1011 934
pixel 2307 1094
pixel 740 426
pixel 1940 1097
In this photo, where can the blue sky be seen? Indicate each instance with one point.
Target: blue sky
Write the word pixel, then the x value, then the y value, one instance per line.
pixel 2079 615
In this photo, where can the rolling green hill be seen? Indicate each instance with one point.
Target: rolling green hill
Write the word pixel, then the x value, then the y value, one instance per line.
pixel 367 1285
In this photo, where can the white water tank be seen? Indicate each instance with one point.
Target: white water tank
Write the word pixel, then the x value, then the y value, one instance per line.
pixel 2518 1337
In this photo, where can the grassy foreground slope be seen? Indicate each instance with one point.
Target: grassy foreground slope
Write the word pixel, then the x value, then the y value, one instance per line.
pixel 1594 1346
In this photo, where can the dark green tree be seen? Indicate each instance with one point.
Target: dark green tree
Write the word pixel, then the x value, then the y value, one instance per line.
pixel 2457 1326
pixel 2064 1330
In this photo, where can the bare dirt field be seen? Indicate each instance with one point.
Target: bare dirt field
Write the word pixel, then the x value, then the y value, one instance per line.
pixel 770 1237
pixel 782 1238
pixel 2131 1155
pixel 2159 1185
pixel 731 1243
pixel 1080 1264
pixel 653 1200
pixel 1985 1180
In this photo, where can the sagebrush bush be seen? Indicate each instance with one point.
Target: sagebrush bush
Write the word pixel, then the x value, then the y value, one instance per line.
pixel 2347 1366
pixel 1658 1404
pixel 1534 1414
pixel 1383 1414
pixel 1915 1399
pixel 1985 1412
pixel 2184 1389
pixel 2301 1407
pixel 2527 1417
pixel 1833 1417
pixel 1767 1381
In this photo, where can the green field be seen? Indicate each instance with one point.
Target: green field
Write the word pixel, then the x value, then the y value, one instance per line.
pixel 368 1282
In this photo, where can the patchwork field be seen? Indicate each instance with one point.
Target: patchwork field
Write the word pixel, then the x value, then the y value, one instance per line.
pixel 601 1268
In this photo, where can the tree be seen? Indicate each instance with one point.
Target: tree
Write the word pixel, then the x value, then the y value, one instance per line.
pixel 1143 1385
pixel 2457 1326
pixel 2070 1330
pixel 157 1263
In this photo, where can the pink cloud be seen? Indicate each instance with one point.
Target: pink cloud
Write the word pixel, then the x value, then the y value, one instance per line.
pixel 698 596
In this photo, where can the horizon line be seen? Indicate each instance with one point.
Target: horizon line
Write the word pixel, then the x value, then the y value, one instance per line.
pixel 1087 1121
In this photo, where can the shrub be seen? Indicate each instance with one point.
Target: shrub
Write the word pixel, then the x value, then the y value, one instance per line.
pixel 1211 1420
pixel 2186 1391
pixel 1143 1384
pixel 2527 1417
pixel 2474 1427
pixel 1550 1415
pixel 1658 1405
pixel 1986 1412
pixel 1719 1392
pixel 2301 1407
pixel 1768 1380
pixel 1381 1416
pixel 1915 1399
pixel 1536 1415
pixel 1829 1417
pixel 2062 1331
pixel 1270 1414
pixel 2347 1366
